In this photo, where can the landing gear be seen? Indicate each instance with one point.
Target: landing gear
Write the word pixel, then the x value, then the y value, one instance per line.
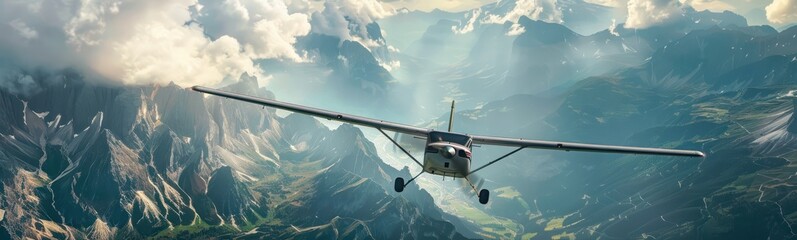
pixel 484 196
pixel 399 185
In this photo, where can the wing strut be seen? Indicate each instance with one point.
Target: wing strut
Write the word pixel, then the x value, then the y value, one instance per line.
pixel 400 147
pixel 451 117
pixel 413 178
pixel 475 190
pixel 496 160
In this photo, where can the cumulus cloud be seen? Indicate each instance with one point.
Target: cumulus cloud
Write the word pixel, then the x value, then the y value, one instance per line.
pixel 150 41
pixel 331 21
pixel 391 65
pixel 613 28
pixel 515 29
pixel 265 29
pixel 545 10
pixel 782 11
pixel 468 27
pixel 347 19
pixel 646 13
pixel 299 6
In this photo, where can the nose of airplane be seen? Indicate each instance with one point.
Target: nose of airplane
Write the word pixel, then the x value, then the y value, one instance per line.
pixel 448 152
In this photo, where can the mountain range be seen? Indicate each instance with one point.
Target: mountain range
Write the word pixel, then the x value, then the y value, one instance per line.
pixel 81 159
pixel 166 162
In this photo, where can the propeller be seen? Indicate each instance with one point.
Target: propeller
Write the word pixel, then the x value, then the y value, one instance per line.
pixel 471 185
pixel 448 152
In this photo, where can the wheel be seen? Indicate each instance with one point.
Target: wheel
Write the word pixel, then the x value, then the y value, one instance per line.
pixel 399 186
pixel 484 196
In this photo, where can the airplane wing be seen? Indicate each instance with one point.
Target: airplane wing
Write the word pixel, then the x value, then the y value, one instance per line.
pixel 569 146
pixel 357 120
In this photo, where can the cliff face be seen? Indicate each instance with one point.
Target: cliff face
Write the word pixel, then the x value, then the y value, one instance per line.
pixel 88 161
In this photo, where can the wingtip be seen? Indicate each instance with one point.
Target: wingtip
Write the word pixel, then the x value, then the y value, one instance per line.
pixel 701 154
pixel 196 88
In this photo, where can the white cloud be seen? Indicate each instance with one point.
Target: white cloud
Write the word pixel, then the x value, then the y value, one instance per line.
pixel 544 10
pixel 782 11
pixel 391 65
pixel 333 19
pixel 613 28
pixel 17 82
pixel 711 5
pixel 182 55
pixel 265 29
pixel 150 41
pixel 468 27
pixel 87 25
pixel 23 29
pixel 364 11
pixel 646 13
pixel 516 29
pixel 299 6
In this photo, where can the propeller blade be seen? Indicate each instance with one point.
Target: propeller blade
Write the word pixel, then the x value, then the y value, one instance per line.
pixel 468 187
pixel 465 187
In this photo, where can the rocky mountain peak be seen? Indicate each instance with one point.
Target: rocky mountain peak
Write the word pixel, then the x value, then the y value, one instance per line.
pixel 233 201
pixel 544 32
pixel 793 121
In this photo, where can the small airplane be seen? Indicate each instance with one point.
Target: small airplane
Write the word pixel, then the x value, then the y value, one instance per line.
pixel 447 153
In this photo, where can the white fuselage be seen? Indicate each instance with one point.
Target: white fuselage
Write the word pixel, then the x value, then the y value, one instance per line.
pixel 447 158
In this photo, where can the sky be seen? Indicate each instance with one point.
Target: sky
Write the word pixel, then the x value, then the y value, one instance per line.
pixel 208 42
pixel 447 5
pixel 783 12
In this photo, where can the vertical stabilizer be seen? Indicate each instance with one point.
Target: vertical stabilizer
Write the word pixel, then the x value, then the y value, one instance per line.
pixel 451 117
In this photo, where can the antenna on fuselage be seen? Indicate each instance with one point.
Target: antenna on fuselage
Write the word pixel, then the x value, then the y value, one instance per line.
pixel 451 117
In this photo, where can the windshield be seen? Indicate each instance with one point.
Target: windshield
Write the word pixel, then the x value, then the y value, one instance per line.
pixel 448 137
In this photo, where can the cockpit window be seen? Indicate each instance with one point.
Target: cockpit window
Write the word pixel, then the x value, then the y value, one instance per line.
pixel 449 137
